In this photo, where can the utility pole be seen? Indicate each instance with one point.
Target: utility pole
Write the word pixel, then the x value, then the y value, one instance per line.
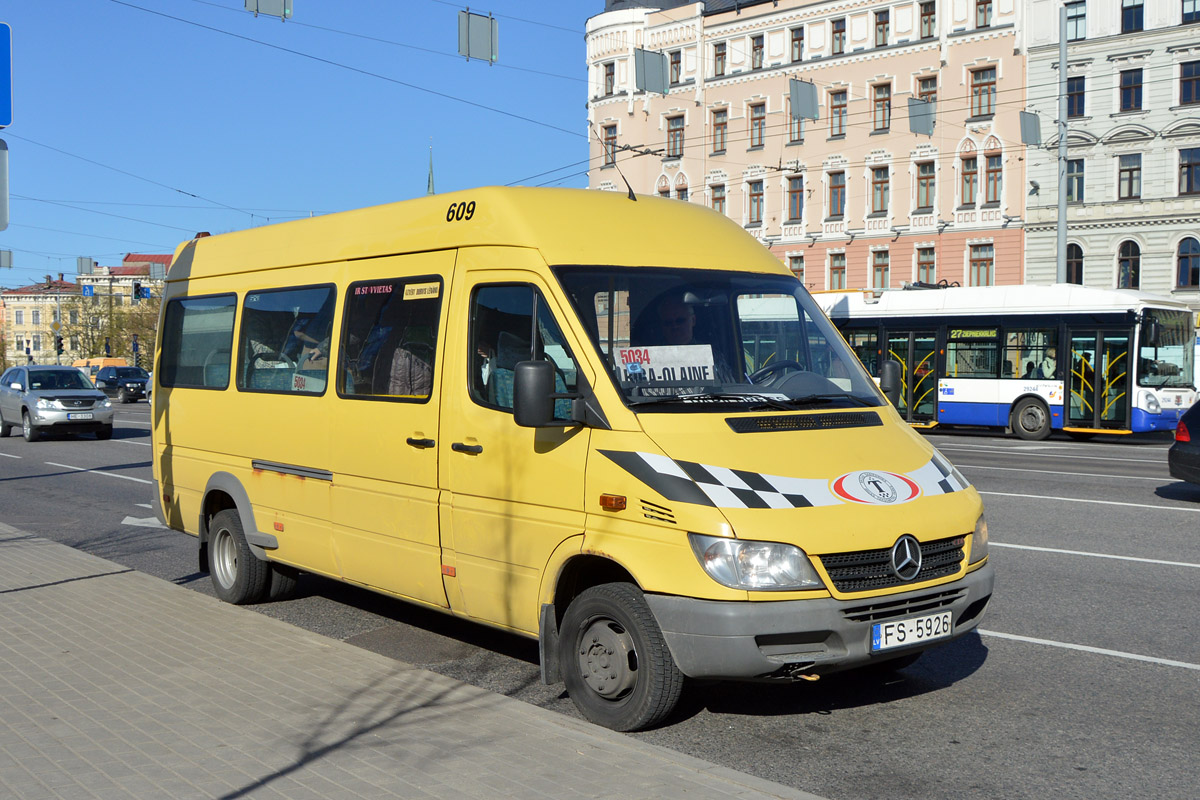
pixel 1061 272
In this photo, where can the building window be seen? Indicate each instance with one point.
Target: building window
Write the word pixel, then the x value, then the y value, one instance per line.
pixel 837 194
pixel 1189 174
pixel 1191 11
pixel 925 184
pixel 758 124
pixel 795 199
pixel 610 145
pixel 1076 105
pixel 1075 180
pixel 73 316
pixel 927 89
pixel 1189 264
pixel 883 28
pixel 676 66
pixel 839 36
pixel 674 137
pixel 37 342
pixel 1075 264
pixel 1131 16
pixel 1076 21
pixel 880 190
pixel 880 272
pixel 681 192
pixel 36 317
pixel 1131 89
pixel 797 44
pixel 837 113
pixel 983 92
pixel 18 316
pixel 756 202
pixel 837 271
pixel 1129 177
pixel 1129 266
pixel 926 265
pixel 983 259
pixel 718 198
pixel 719 59
pixel 796 265
pixel 795 130
pixel 610 78
pixel 75 343
pixel 995 177
pixel 983 13
pixel 1189 83
pixel 756 52
pixel 928 20
pixel 720 130
pixel 882 106
pixel 970 180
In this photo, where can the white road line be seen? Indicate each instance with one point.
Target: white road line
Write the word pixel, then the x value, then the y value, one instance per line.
pixel 1060 472
pixel 1101 502
pixel 1015 451
pixel 1166 662
pixel 99 472
pixel 1095 555
pixel 10 455
pixel 141 444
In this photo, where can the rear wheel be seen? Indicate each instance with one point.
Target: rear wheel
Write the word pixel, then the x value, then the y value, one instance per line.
pixel 614 659
pixel 1031 419
pixel 28 429
pixel 122 396
pixel 238 577
pixel 5 428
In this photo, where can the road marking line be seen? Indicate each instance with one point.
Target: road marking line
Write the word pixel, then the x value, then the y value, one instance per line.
pixel 1095 555
pixel 99 472
pixel 142 444
pixel 9 455
pixel 1097 650
pixel 1003 450
pixel 1060 472
pixel 1082 500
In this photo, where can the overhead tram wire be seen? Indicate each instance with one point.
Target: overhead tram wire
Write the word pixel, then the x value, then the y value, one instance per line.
pixel 105 214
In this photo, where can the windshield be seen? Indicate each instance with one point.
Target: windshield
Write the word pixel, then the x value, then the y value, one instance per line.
pixel 48 380
pixel 683 340
pixel 1168 359
pixel 131 372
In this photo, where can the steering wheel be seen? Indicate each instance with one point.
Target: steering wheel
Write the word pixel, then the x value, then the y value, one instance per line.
pixel 763 374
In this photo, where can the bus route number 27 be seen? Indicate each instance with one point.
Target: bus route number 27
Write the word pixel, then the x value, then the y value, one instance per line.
pixel 457 212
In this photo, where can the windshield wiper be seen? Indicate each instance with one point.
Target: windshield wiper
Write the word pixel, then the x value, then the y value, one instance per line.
pixel 702 398
pixel 818 399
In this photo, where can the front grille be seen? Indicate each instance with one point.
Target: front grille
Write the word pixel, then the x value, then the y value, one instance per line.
pixel 75 402
pixel 804 422
pixel 866 570
pixel 894 609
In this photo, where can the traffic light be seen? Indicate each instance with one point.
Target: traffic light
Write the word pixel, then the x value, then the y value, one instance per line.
pixel 58 345
pixel 137 291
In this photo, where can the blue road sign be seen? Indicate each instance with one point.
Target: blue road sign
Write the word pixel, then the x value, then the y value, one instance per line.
pixel 89 291
pixel 5 75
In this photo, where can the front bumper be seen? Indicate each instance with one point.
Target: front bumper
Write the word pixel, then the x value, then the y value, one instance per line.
pixel 69 420
pixel 785 639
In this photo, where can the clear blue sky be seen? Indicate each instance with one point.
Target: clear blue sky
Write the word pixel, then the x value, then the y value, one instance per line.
pixel 137 123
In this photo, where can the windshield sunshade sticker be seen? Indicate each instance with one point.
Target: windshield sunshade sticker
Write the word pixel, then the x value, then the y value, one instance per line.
pixel 721 487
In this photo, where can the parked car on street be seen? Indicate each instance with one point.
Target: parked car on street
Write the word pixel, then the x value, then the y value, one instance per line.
pixel 126 384
pixel 1183 458
pixel 50 398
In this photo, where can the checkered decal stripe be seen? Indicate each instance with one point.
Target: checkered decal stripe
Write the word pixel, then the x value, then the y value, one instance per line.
pixel 720 487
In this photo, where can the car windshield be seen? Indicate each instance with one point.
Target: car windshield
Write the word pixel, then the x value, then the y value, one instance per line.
pixel 48 380
pixel 1166 352
pixel 692 340
pixel 131 372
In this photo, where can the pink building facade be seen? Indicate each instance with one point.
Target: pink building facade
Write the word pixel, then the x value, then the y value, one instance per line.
pixel 852 199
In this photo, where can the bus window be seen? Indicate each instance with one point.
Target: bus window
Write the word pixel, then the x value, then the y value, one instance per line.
pixel 197 342
pixel 972 353
pixel 390 338
pixel 285 340
pixel 1030 353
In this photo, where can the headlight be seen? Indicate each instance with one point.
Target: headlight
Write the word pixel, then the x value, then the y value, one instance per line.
pixel 1151 403
pixel 758 566
pixel 979 541
pixel 106 403
pixel 44 403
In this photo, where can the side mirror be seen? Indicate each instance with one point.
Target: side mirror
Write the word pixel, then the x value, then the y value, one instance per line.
pixel 16 386
pixel 533 387
pixel 101 384
pixel 1151 332
pixel 889 381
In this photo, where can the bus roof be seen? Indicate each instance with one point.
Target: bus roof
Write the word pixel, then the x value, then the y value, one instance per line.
pixel 568 226
pixel 1061 298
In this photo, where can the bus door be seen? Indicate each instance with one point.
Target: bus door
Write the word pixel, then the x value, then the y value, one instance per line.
pixel 917 353
pixel 1098 378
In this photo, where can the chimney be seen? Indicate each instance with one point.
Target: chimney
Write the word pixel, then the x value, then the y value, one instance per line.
pixel 60 277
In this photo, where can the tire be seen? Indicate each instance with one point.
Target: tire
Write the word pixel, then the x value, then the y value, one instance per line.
pixel 122 397
pixel 28 429
pixel 5 428
pixel 238 577
pixel 104 433
pixel 283 582
pixel 1031 419
pixel 614 660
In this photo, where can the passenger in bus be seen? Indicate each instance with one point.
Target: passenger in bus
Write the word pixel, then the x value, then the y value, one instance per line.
pixel 1032 372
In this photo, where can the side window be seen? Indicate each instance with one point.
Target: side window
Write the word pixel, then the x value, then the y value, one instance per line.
pixel 972 353
pixel 285 340
pixel 389 339
pixel 197 342
pixel 502 333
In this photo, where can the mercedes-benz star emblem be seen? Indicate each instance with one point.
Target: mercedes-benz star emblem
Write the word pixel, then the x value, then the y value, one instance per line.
pixel 906 557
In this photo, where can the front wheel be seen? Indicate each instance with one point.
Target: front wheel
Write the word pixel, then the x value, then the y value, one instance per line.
pixel 615 661
pixel 5 428
pixel 238 577
pixel 28 429
pixel 1031 419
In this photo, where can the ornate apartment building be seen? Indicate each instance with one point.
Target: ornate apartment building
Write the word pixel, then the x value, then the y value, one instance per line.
pixel 853 198
pixel 1133 136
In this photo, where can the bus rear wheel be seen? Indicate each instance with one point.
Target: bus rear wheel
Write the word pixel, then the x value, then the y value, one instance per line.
pixel 1031 419
pixel 238 577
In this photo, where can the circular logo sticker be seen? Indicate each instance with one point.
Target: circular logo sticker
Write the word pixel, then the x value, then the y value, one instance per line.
pixel 875 487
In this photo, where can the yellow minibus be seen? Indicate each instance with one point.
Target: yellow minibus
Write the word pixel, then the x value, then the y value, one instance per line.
pixel 618 426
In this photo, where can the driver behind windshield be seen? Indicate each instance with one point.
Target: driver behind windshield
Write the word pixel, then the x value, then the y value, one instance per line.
pixel 677 326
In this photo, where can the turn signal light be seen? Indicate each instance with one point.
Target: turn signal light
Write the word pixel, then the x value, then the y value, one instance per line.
pixel 612 502
pixel 1181 433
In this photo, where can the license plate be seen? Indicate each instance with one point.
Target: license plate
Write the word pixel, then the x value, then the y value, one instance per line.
pixel 80 415
pixel 886 635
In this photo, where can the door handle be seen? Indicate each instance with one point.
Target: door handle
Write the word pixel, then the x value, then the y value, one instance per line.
pixel 420 443
pixel 472 449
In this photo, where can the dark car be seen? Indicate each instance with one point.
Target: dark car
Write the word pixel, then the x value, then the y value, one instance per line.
pixel 1184 456
pixel 126 384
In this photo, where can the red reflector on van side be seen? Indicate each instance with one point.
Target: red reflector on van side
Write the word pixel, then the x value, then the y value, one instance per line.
pixel 279 526
pixel 449 572
pixel 612 502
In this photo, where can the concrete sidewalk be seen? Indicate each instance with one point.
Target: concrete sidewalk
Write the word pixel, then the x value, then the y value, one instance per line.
pixel 115 684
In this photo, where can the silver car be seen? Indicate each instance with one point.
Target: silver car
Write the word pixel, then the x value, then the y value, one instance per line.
pixel 52 399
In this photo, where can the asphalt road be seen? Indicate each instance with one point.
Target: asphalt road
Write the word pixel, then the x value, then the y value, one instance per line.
pixel 1081 683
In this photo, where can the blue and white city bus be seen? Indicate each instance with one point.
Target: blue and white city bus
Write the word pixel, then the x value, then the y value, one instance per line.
pixel 1032 359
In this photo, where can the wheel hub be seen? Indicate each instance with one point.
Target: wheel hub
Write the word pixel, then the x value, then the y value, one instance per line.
pixel 608 659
